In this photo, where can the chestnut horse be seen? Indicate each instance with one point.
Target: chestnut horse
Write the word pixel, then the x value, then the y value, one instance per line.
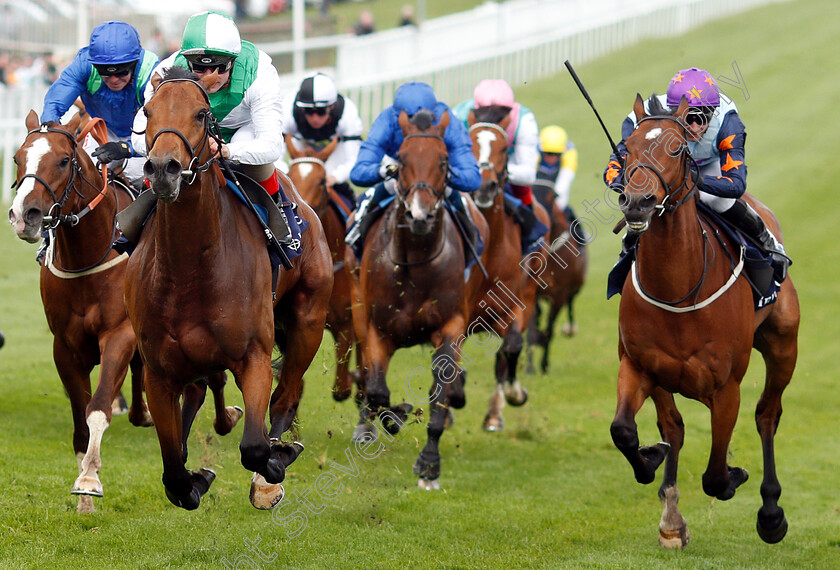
pixel 563 276
pixel 687 324
pixel 308 172
pixel 59 188
pixel 199 296
pixel 412 289
pixel 502 302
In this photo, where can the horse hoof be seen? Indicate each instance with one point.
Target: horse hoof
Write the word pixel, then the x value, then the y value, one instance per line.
pixel 772 533
pixel 233 414
pixel 674 538
pixel 653 457
pixel 87 486
pixel 119 407
pixel 365 433
pixel 85 505
pixel 449 420
pixel 428 485
pixel 569 330
pixel 516 394
pixel 265 495
pixel 493 424
pixel 737 477
pixel 141 419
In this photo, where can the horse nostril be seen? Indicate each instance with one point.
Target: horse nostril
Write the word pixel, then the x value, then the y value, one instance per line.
pixel 149 169
pixel 622 201
pixel 649 201
pixel 173 168
pixel 33 217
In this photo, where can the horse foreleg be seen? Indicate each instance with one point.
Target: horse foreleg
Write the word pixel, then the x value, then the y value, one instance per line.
pixel 377 354
pixel 138 412
pixel 673 529
pixel 226 416
pixel 183 488
pixel 633 389
pixel 545 339
pixel 343 385
pixel 720 480
pixel 778 346
pixel 532 338
pixel 194 395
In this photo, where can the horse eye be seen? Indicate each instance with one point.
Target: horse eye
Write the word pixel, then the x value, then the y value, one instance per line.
pixel 201 115
pixel 64 162
pixel 145 112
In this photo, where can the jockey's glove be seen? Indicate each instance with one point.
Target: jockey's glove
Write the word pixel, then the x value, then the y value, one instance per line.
pixel 389 171
pixel 113 151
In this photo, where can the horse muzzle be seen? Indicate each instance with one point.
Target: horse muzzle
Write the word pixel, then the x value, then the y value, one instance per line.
pixel 28 224
pixel 164 175
pixel 486 194
pixel 637 209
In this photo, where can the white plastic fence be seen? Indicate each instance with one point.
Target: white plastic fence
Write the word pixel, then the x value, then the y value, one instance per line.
pixel 519 41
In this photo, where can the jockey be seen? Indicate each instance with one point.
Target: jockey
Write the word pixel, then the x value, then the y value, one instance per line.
pixel 316 114
pixel 558 166
pixel 245 99
pixel 716 139
pixel 109 75
pixel 384 140
pixel 492 101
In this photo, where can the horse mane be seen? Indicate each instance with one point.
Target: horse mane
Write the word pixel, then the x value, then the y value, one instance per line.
pixel 491 114
pixel 423 119
pixel 178 72
pixel 655 106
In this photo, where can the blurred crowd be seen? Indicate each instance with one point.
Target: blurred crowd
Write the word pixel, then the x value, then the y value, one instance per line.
pixel 28 71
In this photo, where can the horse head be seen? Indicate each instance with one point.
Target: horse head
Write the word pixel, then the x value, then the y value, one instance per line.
pixel 490 146
pixel 423 166
pixel 177 131
pixel 308 171
pixel 657 170
pixel 48 164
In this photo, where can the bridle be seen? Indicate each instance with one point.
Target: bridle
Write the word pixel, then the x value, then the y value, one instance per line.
pixel 687 164
pixel 55 218
pixel 324 202
pixel 501 175
pixel 211 129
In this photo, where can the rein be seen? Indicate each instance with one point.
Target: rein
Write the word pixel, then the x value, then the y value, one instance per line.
pixel 665 206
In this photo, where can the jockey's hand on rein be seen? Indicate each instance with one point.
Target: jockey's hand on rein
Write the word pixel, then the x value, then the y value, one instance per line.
pixel 390 171
pixel 112 151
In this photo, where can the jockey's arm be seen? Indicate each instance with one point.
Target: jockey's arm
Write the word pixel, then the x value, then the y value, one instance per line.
pixel 463 169
pixel 613 173
pixel 732 182
pixel 366 171
pixel 566 175
pixel 63 93
pixel 266 107
pixel 522 163
pixel 350 131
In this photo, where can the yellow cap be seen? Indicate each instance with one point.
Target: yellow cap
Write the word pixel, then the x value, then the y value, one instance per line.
pixel 553 139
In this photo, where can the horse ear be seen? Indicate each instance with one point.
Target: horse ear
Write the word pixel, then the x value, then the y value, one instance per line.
pixel 328 150
pixel 505 122
pixel 443 123
pixel 471 120
pixel 73 123
pixel 156 80
pixel 208 80
pixel 639 108
pixel 682 110
pixel 290 146
pixel 32 120
pixel 403 121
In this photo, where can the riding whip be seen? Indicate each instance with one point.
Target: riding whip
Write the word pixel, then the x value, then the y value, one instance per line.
pixel 589 100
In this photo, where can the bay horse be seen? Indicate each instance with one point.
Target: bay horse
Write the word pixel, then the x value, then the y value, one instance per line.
pixel 687 325
pixel 564 276
pixel 199 296
pixel 59 188
pixel 412 289
pixel 502 302
pixel 308 172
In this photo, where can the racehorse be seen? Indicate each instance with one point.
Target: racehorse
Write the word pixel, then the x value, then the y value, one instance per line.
pixel 563 276
pixel 412 289
pixel 687 325
pixel 59 187
pixel 502 302
pixel 308 172
pixel 199 296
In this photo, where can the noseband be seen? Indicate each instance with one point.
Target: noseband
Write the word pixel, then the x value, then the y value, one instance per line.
pixel 403 193
pixel 211 129
pixel 322 205
pixel 685 157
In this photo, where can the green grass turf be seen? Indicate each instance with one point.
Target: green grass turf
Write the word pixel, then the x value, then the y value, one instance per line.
pixel 550 491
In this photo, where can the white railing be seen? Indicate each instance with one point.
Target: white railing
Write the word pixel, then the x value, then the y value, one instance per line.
pixel 518 40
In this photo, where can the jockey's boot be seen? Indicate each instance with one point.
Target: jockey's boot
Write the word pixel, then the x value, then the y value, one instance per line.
pixel 42 249
pixel 628 243
pixel 367 213
pixel 464 220
pixel 745 218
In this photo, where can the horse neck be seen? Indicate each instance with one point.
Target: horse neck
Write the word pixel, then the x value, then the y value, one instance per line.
pixel 190 229
pixel 87 242
pixel 670 253
pixel 412 248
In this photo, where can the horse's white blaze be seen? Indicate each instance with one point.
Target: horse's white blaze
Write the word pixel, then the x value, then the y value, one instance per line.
pixel 34 154
pixel 416 209
pixel 305 169
pixel 485 142
pixel 653 133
